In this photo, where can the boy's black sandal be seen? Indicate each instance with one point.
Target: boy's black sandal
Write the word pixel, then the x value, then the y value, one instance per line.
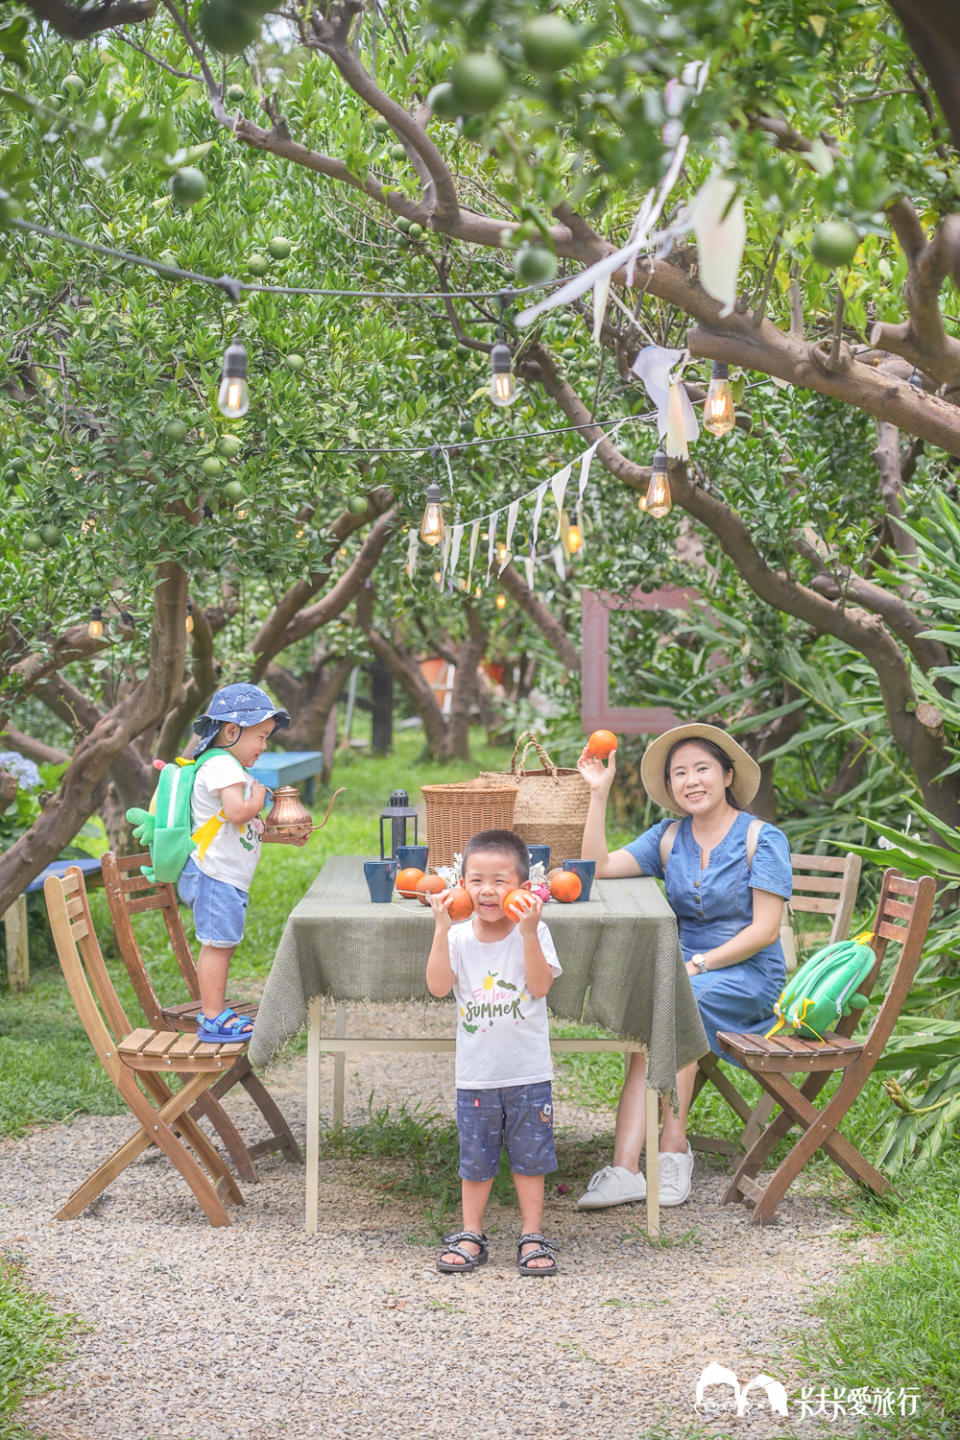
pixel 453 1244
pixel 545 1246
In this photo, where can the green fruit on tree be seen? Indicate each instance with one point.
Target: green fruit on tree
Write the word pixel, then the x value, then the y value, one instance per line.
pixel 535 264
pixel 445 342
pixel 31 540
pixel 230 446
pixel 73 83
pixel 397 153
pixel 381 126
pixel 228 28
pixel 167 257
pixel 403 242
pixel 357 505
pixel 212 467
pixel 294 362
pixel 176 430
pixel 550 43
pixel 462 351
pixel 188 186
pixel 279 247
pixel 416 231
pixel 258 264
pixel 402 223
pixel 834 243
pixel 18 464
pixel 479 83
pixel 50 535
pixel 234 492
pixel 236 93
pixel 443 102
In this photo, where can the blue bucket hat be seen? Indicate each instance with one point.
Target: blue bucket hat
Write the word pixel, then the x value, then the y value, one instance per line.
pixel 244 705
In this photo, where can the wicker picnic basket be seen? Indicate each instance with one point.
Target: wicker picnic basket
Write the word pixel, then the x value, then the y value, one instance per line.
pixel 551 803
pixel 457 811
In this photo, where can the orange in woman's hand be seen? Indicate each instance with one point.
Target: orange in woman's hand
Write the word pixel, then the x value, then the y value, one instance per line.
pixel 429 885
pixel 461 906
pixel 565 886
pixel 515 903
pixel 407 881
pixel 602 743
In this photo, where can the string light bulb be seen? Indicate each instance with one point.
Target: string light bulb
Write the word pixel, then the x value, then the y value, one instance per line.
pixel 437 577
pixel 501 601
pixel 659 499
pixel 642 502
pixel 431 526
pixel 188 623
pixel 914 379
pixel 95 628
pixel 503 390
pixel 719 411
pixel 574 539
pixel 233 397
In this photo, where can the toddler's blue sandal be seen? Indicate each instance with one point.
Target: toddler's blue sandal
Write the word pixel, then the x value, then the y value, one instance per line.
pixel 227 1028
pixel 453 1245
pixel 542 1252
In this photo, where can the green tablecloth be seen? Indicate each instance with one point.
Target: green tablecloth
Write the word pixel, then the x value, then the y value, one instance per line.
pixel 621 962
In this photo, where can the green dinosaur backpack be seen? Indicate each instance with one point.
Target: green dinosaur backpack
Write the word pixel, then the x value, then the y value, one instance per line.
pixel 166 827
pixel 825 989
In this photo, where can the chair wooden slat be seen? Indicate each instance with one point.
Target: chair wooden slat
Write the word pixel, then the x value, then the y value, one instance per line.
pixel 817 885
pixel 801 863
pixel 903 909
pixel 130 892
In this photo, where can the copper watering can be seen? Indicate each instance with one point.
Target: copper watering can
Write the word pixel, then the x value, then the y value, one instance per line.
pixel 288 815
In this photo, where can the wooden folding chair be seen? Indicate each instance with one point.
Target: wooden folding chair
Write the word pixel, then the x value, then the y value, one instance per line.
pixel 903 915
pixel 130 893
pixel 136 1060
pixel 822 885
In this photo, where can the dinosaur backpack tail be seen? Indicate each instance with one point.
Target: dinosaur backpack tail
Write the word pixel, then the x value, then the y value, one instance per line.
pixel 167 827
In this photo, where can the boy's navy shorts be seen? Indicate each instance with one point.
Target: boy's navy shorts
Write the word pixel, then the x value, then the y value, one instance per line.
pixel 218 909
pixel 519 1117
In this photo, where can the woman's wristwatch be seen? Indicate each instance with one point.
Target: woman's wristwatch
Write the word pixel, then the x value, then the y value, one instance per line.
pixel 701 962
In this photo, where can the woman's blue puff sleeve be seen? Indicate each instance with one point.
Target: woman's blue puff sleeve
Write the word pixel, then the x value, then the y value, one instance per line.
pixel 646 849
pixel 771 869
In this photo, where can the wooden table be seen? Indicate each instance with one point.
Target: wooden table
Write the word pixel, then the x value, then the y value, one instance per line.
pixel 622 970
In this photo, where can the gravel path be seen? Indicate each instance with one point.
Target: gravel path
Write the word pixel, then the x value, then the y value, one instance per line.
pixel 261 1333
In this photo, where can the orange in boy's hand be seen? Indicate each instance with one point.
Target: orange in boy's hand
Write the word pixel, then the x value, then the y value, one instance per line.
pixel 461 906
pixel 407 882
pixel 566 886
pixel 602 743
pixel 429 885
pixel 515 903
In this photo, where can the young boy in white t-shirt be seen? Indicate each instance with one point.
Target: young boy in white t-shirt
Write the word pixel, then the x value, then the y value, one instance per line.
pixel 499 965
pixel 225 820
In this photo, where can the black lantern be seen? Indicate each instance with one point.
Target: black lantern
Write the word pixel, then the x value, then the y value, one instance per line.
pixel 398 812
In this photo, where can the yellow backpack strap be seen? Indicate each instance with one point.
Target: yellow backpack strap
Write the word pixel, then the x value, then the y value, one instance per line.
pixel 666 843
pixel 204 837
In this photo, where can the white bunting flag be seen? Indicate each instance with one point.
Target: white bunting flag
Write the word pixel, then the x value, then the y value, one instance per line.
pixel 720 226
pixel 559 485
pixel 456 540
pixel 492 540
pixel 512 513
pixel 537 512
pixel 528 564
pixel 683 426
pixel 600 293
pixel 413 545
pixel 474 537
pixel 586 459
pixel 556 555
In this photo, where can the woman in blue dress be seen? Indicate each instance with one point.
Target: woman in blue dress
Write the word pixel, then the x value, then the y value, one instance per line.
pixel 728 911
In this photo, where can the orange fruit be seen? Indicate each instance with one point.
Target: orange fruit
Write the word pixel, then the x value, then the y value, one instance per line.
pixel 515 903
pixel 429 885
pixel 602 743
pixel 461 906
pixel 407 881
pixel 565 886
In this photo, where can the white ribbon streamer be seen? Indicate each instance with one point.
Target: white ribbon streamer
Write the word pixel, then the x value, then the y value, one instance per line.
pixel 652 367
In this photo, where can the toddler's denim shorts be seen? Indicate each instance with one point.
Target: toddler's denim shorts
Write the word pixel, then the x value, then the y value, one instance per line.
pixel 218 909
pixel 519 1117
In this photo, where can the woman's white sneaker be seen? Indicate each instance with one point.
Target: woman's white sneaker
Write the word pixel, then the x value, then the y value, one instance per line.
pixel 613 1185
pixel 676 1172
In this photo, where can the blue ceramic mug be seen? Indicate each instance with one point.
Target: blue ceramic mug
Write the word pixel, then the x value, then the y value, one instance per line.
pixel 539 855
pixel 415 855
pixel 380 876
pixel 586 869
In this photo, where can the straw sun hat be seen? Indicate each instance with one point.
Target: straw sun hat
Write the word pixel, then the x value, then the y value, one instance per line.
pixel 746 771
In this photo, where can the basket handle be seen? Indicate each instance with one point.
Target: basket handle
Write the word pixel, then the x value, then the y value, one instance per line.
pixel 544 758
